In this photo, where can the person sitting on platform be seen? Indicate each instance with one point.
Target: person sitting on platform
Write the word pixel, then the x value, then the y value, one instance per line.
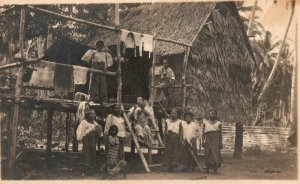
pixel 168 76
pixel 142 130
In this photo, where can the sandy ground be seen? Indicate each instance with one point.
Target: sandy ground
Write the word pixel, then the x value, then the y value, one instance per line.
pixel 33 165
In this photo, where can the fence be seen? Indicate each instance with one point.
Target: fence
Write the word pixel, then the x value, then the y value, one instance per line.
pixel 267 138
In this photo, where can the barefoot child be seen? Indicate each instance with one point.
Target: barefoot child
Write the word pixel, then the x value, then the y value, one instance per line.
pixel 191 132
pixel 113 165
pixel 172 140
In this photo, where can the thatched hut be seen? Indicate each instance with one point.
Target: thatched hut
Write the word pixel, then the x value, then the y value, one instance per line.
pixel 220 61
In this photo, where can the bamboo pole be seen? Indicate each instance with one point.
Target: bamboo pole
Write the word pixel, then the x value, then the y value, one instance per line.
pixel 70 18
pixel 249 31
pixel 49 132
pixel 32 61
pixel 185 62
pixel 135 141
pixel 152 92
pixel 16 107
pixel 118 37
pixel 173 41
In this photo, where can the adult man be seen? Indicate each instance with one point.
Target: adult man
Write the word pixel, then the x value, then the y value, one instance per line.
pixel 99 59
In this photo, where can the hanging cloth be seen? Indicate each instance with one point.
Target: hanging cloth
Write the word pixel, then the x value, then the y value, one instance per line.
pixel 80 74
pixel 137 39
pixel 146 42
pixel 63 79
pixel 43 74
pixel 82 108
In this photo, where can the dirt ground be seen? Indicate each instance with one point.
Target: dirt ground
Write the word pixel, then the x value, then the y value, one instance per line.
pixel 33 165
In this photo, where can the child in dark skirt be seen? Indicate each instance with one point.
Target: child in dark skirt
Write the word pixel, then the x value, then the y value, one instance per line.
pixel 113 165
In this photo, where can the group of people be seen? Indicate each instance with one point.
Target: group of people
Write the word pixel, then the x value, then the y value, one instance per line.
pixel 180 137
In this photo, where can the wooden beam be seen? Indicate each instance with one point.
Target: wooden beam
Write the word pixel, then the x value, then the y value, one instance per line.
pixel 32 61
pixel 30 86
pixel 206 19
pixel 40 10
pixel 118 36
pixel 49 132
pixel 238 146
pixel 67 133
pixel 16 106
pixel 173 86
pixel 173 41
pixel 185 62
pixel 152 92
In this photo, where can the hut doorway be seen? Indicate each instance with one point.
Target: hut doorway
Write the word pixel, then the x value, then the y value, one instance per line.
pixel 135 76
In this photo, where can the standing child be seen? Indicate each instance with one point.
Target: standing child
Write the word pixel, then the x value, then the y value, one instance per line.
pixel 190 133
pixel 171 152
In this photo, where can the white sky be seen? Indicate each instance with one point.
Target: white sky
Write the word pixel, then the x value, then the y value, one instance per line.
pixel 275 17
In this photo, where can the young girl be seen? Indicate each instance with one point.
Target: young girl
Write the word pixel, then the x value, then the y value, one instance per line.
pixel 212 141
pixel 172 149
pixel 113 165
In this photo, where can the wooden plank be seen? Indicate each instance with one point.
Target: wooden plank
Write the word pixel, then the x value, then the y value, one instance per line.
pixel 118 36
pixel 49 132
pixel 185 62
pixel 137 146
pixel 16 106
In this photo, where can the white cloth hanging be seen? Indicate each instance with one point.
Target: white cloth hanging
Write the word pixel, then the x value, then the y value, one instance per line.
pixel 146 42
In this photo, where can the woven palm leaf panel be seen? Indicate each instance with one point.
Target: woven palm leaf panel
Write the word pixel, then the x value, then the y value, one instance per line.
pixel 219 69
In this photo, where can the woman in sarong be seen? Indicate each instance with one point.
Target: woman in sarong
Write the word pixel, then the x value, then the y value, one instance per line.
pixel 88 132
pixel 172 148
pixel 212 141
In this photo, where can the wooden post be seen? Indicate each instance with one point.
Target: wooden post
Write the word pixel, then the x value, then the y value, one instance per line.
pixel 152 92
pixel 185 62
pixel 67 133
pixel 238 146
pixel 118 36
pixel 49 132
pixel 16 106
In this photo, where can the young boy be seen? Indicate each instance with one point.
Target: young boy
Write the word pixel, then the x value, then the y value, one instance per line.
pixel 190 133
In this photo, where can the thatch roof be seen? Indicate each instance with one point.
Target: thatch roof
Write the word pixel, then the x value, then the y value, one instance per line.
pixel 176 21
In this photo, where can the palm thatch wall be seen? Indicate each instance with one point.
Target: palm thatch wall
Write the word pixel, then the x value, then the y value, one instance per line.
pixel 220 67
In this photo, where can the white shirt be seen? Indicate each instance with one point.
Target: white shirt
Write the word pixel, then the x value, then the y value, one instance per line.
pixel 84 128
pixel 173 125
pixel 119 122
pixel 209 127
pixel 190 131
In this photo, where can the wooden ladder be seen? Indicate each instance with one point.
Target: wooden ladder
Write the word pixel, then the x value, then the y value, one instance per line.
pixel 138 147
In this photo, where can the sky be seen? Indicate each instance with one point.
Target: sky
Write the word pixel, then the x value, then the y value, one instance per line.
pixel 275 17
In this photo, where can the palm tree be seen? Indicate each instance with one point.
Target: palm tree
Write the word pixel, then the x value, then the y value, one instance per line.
pixel 272 74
